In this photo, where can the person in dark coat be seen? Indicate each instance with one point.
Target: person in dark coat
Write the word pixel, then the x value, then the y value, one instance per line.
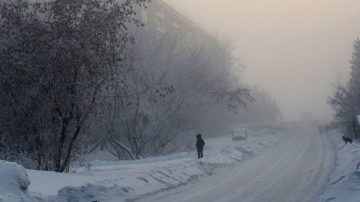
pixel 200 146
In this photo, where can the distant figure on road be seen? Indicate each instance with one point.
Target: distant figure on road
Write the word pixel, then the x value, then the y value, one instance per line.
pixel 200 145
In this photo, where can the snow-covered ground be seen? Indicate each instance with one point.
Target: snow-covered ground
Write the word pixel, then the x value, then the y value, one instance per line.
pixel 14 183
pixel 127 180
pixel 294 170
pixel 344 182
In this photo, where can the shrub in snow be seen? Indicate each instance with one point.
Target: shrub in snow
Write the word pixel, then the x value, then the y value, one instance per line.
pixel 14 182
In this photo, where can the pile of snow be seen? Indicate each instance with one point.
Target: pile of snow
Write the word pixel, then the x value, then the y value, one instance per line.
pixel 344 182
pixel 14 183
pixel 128 180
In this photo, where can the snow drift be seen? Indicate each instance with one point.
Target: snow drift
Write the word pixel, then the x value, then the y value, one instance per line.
pixel 14 183
pixel 128 180
pixel 344 183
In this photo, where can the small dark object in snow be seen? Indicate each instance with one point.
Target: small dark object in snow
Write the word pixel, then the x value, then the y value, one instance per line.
pixel 338 180
pixel 346 140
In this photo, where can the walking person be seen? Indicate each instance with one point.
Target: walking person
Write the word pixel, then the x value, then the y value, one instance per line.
pixel 200 145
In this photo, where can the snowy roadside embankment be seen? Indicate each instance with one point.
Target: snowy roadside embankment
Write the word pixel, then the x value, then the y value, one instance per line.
pixel 127 180
pixel 14 183
pixel 344 183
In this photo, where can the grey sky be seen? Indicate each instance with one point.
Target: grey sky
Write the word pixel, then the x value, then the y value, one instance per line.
pixel 295 49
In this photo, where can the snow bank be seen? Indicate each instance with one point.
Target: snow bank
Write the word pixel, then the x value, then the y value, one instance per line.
pixel 344 183
pixel 128 180
pixel 14 183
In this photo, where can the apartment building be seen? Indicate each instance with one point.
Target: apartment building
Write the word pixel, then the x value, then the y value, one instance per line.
pixel 162 18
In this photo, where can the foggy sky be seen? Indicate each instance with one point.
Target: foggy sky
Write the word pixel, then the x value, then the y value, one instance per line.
pixel 295 49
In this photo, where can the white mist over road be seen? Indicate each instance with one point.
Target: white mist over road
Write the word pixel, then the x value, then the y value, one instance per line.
pixel 294 170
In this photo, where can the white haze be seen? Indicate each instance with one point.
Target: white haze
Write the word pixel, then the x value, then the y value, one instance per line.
pixel 295 49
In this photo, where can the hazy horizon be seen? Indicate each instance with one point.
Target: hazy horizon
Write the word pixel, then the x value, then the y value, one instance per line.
pixel 293 49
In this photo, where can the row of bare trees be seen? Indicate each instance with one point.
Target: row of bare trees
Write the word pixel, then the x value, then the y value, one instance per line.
pixel 56 59
pixel 169 87
pixel 346 98
pixel 80 75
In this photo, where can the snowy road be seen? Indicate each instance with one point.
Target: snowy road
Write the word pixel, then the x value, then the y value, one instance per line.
pixel 294 170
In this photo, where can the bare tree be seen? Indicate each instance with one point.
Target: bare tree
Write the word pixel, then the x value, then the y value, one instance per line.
pixel 346 98
pixel 56 58
pixel 166 84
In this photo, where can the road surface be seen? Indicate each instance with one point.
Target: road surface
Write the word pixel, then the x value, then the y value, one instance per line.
pixel 294 170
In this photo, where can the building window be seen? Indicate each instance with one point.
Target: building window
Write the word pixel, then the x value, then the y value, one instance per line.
pixel 160 24
pixel 176 26
pixel 190 39
pixel 160 14
pixel 144 15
